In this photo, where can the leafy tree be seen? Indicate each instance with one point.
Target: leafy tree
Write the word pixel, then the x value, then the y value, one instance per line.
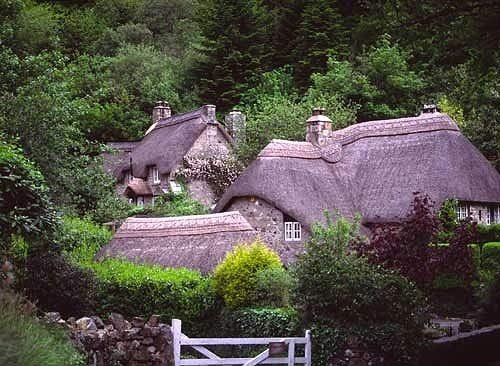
pixel 343 296
pixel 380 82
pixel 275 111
pixel 25 208
pixel 38 28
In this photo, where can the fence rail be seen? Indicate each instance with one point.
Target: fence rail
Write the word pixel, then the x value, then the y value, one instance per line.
pixel 276 346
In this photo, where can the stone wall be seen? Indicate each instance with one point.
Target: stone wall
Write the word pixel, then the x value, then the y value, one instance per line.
pixel 201 191
pixel 269 222
pixel 210 143
pixel 118 342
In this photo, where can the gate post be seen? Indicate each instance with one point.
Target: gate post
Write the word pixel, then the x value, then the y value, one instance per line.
pixel 176 332
pixel 308 350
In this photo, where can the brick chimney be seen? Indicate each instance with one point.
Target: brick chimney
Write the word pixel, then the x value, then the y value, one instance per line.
pixel 161 110
pixel 319 127
pixel 235 124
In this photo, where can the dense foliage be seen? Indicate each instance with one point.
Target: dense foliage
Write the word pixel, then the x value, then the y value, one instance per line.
pixel 341 294
pixel 25 208
pixel 235 278
pixel 56 284
pixel 142 290
pixel 407 247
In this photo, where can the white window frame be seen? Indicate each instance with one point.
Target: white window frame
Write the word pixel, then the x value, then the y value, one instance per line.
pixel 175 187
pixel 155 173
pixel 293 231
pixel 496 214
pixel 463 211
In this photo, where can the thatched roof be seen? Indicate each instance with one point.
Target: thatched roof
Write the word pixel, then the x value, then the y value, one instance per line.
pixel 167 144
pixel 198 242
pixel 164 146
pixel 117 157
pixel 372 168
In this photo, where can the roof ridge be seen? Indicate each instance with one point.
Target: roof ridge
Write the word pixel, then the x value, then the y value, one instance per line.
pixel 393 127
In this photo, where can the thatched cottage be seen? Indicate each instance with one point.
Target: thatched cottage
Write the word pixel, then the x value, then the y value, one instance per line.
pixel 147 168
pixel 372 168
pixel 198 242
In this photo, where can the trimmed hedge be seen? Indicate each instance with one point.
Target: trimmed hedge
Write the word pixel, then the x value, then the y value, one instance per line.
pixel 488 233
pixel 141 290
pixel 491 256
pixel 261 322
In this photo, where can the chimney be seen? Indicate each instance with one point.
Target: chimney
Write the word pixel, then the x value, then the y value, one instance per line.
pixel 235 124
pixel 319 127
pixel 429 108
pixel 209 112
pixel 161 110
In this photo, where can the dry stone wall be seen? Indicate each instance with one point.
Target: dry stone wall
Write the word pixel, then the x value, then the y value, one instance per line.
pixel 118 342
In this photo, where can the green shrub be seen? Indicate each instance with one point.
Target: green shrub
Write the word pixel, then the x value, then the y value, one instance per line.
pixel 26 342
pixel 491 300
pixel 141 290
pixel 488 233
pixel 491 256
pixel 76 232
pixel 56 284
pixel 236 276
pixel 342 294
pixel 261 322
pixel 272 287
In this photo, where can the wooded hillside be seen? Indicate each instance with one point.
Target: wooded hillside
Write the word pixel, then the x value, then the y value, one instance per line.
pixel 74 74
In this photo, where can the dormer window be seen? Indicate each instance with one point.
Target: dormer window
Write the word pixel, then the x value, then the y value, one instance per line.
pixel 463 211
pixel 156 175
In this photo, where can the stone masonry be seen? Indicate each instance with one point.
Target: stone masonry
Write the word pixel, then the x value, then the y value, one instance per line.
pixel 119 342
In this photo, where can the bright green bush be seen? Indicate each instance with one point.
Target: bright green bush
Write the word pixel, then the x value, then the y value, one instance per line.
pixel 76 232
pixel 342 294
pixel 26 342
pixel 236 276
pixel 141 290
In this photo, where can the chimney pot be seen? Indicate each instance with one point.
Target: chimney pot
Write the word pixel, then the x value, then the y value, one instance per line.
pixel 209 110
pixel 319 111
pixel 429 108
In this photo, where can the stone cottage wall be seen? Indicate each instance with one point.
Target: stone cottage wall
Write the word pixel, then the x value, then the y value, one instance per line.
pixel 269 222
pixel 119 342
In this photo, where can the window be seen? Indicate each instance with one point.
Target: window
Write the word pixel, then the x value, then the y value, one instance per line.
pixel 462 211
pixel 175 187
pixel 494 215
pixel 140 201
pixel 292 231
pixel 156 175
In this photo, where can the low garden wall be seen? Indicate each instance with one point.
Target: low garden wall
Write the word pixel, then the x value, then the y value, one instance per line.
pixel 117 341
pixel 478 347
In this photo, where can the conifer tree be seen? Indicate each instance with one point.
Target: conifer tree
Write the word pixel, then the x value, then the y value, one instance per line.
pixel 233 49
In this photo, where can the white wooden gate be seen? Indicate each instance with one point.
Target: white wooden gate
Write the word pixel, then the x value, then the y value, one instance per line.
pixel 265 357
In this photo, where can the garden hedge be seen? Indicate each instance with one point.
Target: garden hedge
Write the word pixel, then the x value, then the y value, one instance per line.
pixel 490 257
pixel 141 290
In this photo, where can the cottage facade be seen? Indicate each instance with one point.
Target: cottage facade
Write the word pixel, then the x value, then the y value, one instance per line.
pixel 148 168
pixel 371 168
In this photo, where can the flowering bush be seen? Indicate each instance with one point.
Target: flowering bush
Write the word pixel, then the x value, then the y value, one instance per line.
pixel 219 173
